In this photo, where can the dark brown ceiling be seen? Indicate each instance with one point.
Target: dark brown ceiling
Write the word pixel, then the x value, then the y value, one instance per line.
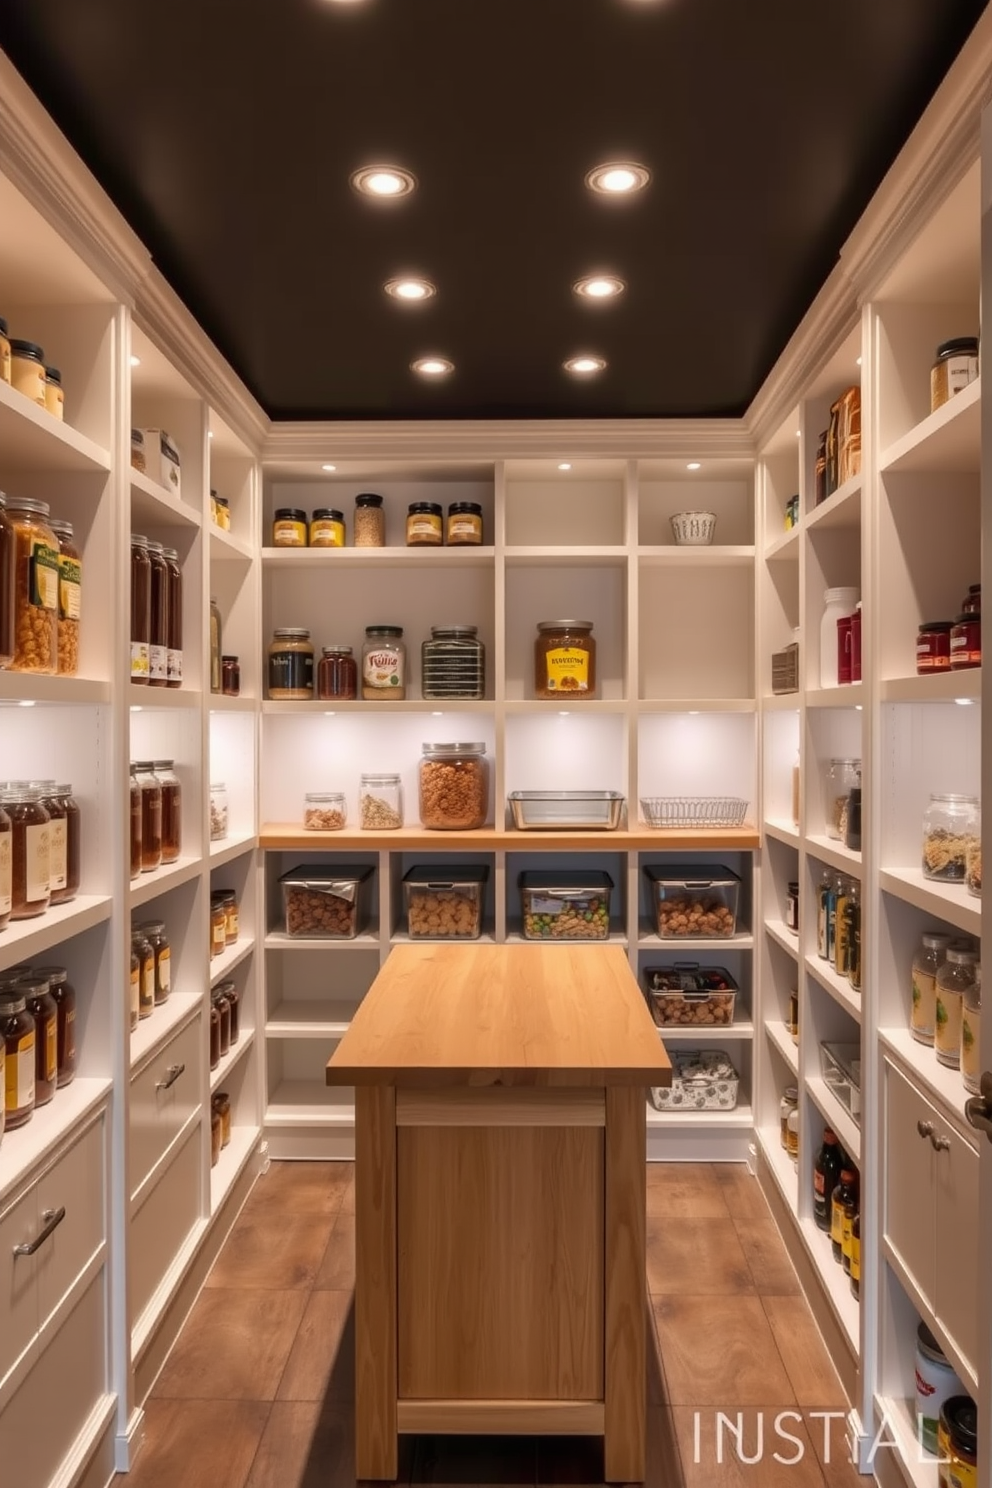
pixel 226 131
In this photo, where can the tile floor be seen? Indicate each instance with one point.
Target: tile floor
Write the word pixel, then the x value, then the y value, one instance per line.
pixel 259 1390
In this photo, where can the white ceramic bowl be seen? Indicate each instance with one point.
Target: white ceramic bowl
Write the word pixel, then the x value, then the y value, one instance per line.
pixel 693 529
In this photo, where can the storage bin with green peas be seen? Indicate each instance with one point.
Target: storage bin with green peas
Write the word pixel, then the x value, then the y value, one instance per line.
pixel 566 906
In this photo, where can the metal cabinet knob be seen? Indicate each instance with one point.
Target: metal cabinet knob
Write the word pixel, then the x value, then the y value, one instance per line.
pixel 925 1129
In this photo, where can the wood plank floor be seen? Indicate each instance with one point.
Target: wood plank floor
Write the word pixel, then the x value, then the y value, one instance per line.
pixel 259 1390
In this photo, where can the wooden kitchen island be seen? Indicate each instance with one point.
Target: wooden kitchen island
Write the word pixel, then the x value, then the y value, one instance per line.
pixel 500 1196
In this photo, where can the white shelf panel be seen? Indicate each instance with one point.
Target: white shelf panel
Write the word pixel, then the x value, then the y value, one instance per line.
pixel 150 885
pixel 783 1169
pixel 696 705
pixel 231 956
pixel 225 547
pixel 961 1366
pixel 151 1033
pixel 549 707
pixel 829 850
pixel 151 699
pixel 379 558
pixel 712 556
pixel 648 940
pixel 785 548
pixel 849 695
pixel 145 1325
pixel 614 938
pixel 705 1033
pixel 221 703
pixel 938 687
pixel 838 987
pixel 231 1058
pixel 949 440
pixel 232 1161
pixel 919 1468
pixel 278 940
pixel 310 1019
pixel 28 688
pixel 428 706
pixel 156 505
pixel 844 1126
pixel 226 849
pixel 782 702
pixel 584 555
pixel 841 509
pixel 310 1103
pixel 779 932
pixel 836 1282
pixel 779 1035
pixel 783 831
pixel 33 439
pixel 31 1143
pixel 940 1084
pixel 26 940
pixel 740 1119
pixel 950 902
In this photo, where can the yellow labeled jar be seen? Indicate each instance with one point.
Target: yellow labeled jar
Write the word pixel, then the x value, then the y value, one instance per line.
pixel 54 396
pixel 464 524
pixel 4 352
pixel 289 528
pixel 27 371
pixel 327 528
pixel 564 659
pixel 424 524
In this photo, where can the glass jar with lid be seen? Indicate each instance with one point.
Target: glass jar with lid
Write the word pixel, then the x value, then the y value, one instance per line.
pixel 380 801
pixel 453 663
pixel 384 663
pixel 58 842
pixel 789 1102
pixel 289 527
pixel 141 609
pixel 38 1001
pixel 158 635
pixel 327 528
pixel 337 673
pixel 841 776
pixel 214 1035
pixel 216 646
pixel 370 521
pixel 230 991
pixel 933 647
pixel 4 370
pixel 948 823
pixel 464 524
pixel 172 809
pixel 955 365
pixel 27 369
pixel 154 933
pixel 564 659
pixel 64 996
pixel 8 572
pixel 230 676
pixel 74 841
pixel 454 787
pixel 966 642
pixel 6 866
pixel 424 524
pixel 792 1134
pixel 36 588
pixel 927 961
pixel 17 1031
pixel 70 598
pixel 218 925
pixel 54 393
pixel 218 810
pixel 138 458
pixel 135 823
pixel 175 655
pixel 151 816
pixel 30 889
pixel 146 976
pixel 223 1007
pixel 958 974
pixel 971 1028
pixel 972 602
pixel 229 899
pixel 324 811
pixel 291 664
pixel 215 1136
pixel 220 1103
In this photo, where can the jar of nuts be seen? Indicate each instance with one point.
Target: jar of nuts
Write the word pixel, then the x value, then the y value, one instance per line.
pixel 454 787
pixel 36 588
pixel 380 802
pixel 324 811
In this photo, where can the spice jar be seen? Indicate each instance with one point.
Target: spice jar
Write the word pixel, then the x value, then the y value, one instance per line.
pixel 6 867
pixel 138 461
pixel 39 1002
pixel 424 524
pixel 230 991
pixel 135 988
pixel 792 908
pixel 27 370
pixel 158 635
pixel 454 787
pixel 215 1139
pixel 30 891
pixel 291 664
pixel 966 642
pixel 948 822
pixel 135 823
pixel 380 802
pixel 141 609
pixel 151 816
pixel 214 1035
pixel 933 646
pixel 63 994
pixel 464 527
pixel 564 659
pixel 788 1103
pixel 453 663
pixel 8 571
pixel 384 663
pixel 971 1027
pixel 289 528
pixel 172 809
pixel 54 396
pixel 175 655
pixel 958 973
pixel 58 842
pixel 955 366
pixel 370 521
pixel 18 1034
pixel 230 676
pixel 221 1103
pixel 229 899
pixel 324 811
pixel 215 645
pixel 70 599
pixel 218 810
pixel 36 588
pixel 337 673
pixel 4 370
pixel 154 933
pixel 327 528
pixel 221 511
pixel 927 961
pixel 842 775
pixel 222 1005
pixel 218 926
pixel 146 974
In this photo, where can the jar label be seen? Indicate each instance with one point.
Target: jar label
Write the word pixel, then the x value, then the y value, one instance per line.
pixel 6 873
pixel 19 1074
pixel 139 659
pixel 44 586
pixel 174 665
pixel 947 1026
pixel 326 534
pixel 970 1064
pixel 158 663
pixel 924 1005
pixel 464 526
pixel 51 1049
pixel 960 371
pixel 164 971
pixel 70 588
pixel 219 934
pixel 58 853
pixel 855 1256
pixel 287 534
pixel 135 990
pixel 291 671
pixel 836 1222
pixel 567 669
pixel 232 923
pixel 423 526
pixel 148 983
pixel 37 847
pixel 382 668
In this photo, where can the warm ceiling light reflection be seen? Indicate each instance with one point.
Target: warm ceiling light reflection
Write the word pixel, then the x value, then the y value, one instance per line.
pixel 135 360
pixel 328 468
pixel 565 465
pixel 618 178
pixel 386 182
pixel 693 465
pixel 432 366
pixel 411 290
pixel 599 287
pixel 584 366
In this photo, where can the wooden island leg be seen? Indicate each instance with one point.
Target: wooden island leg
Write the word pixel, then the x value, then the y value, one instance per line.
pixel 626 1225
pixel 376 1445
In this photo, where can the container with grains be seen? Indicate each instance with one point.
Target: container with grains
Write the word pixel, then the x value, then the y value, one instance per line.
pixel 324 811
pixel 370 521
pixel 454 787
pixel 70 598
pixel 36 588
pixel 380 800
pixel 949 823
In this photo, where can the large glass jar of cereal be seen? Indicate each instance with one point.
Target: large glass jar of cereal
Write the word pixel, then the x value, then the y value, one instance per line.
pixel 948 825
pixel 36 588
pixel 454 787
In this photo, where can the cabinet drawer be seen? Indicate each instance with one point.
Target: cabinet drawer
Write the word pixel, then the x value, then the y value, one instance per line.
pixel 163 1222
pixel 163 1101
pixel 957 1262
pixel 908 1212
pixel 18 1280
pixel 77 1184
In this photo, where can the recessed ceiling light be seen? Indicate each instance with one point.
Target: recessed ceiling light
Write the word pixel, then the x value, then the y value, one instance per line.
pixel 599 287
pixel 432 366
pixel 799 433
pixel 618 178
pixel 328 467
pixel 135 360
pixel 693 465
pixel 410 290
pixel 584 366
pixel 858 362
pixel 385 182
pixel 565 465
pixel 210 433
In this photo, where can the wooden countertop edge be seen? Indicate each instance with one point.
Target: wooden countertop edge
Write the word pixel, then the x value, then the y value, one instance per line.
pixel 290 836
pixel 476 1078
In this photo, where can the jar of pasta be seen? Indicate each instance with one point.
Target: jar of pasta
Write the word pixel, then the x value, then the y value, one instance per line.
pixel 36 588
pixel 949 822
pixel 564 659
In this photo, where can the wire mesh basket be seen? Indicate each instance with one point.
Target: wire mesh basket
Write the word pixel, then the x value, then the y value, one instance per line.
pixel 693 811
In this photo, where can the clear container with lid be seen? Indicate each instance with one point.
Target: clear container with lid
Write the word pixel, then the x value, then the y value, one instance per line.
pixel 151 816
pixel 327 528
pixel 4 370
pixel 840 778
pixel 36 588
pixel 40 1003
pixel 64 996
pixel 216 645
pixel 8 572
pixel 424 524
pixel 6 866
pixel 380 800
pixel 54 395
pixel 384 664
pixel 155 934
pixel 948 823
pixel 27 370
pixel 29 857
pixel 337 673
pixel 453 663
pixel 324 811
pixel 70 598
pixel 172 809
pixel 229 899
pixel 955 366
pixel 464 524
pixel 291 664
pixel 218 810
pixel 837 603
pixel 958 974
pixel 146 973
pixel 17 1031
pixel 971 1029
pixel 175 655
pixel 788 1103
pixel 141 609
pixel 454 787
pixel 928 960
pixel 564 659
pixel 370 521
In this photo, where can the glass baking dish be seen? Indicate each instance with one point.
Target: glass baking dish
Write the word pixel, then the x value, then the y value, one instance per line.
pixel 840 1065
pixel 566 810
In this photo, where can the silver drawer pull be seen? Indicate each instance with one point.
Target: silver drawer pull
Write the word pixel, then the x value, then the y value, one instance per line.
pixel 171 1076
pixel 925 1129
pixel 53 1218
pixel 940 1144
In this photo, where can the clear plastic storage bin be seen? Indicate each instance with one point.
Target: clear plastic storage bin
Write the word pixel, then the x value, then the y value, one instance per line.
pixel 702 1080
pixel 695 901
pixel 325 902
pixel 445 903
pixel 688 995
pixel 566 905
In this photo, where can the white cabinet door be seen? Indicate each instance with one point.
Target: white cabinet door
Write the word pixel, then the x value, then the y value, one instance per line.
pixel 907 1221
pixel 18 1281
pixel 75 1184
pixel 956 1208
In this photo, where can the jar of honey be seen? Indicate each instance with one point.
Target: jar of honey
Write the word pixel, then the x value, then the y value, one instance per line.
pixel 564 659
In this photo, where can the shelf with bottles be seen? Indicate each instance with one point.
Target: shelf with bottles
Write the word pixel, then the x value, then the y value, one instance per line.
pixel 841 511
pixel 220 1077
pixel 182 556
pixel 177 971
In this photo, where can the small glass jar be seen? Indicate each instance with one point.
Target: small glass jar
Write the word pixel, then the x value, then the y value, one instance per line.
pixel 70 599
pixel 58 843
pixel 289 528
pixel 17 1031
pixel 222 1005
pixel 222 512
pixel 230 991
pixel 948 823
pixel 6 867
pixel 158 636
pixel 175 657
pixel 218 810
pixel 291 664
pixel 453 663
pixel 135 823
pixel 840 778
pixel 424 524
pixel 30 887
pixel 221 1103
pixel 4 369
pixel 464 527
pixel 324 811
pixel 141 610
pixel 370 521
pixel 138 461
pixel 792 908
pixel 972 602
pixel 927 961
pixel 27 370
pixel 172 809
pixel 218 925
pixel 216 645
pixel 788 1103
pixel 933 646
pixel 36 588
pixel 454 787
pixel 8 572
pixel 215 1138
pixel 384 663
pixel 154 933
pixel 380 801
pixel 146 974
pixel 214 1035
pixel 229 899
pixel 564 659
pixel 135 984
pixel 327 528
pixel 792 1134
pixel 966 642
pixel 151 816
pixel 64 996
pixel 955 366
pixel 38 1001
pixel 54 396
pixel 230 676
pixel 958 974
pixel 337 673
pixel 971 1028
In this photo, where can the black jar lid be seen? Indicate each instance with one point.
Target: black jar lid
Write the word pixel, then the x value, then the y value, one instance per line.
pixel 3 326
pixel 220 500
pixel 961 1415
pixel 471 507
pixel 969 617
pixel 432 507
pixel 938 625
pixel 959 346
pixel 230 660
pixel 368 498
pixel 29 349
pixel 290 514
pixel 390 630
pixel 11 1002
pixel 793 887
pixel 52 374
pixel 327 514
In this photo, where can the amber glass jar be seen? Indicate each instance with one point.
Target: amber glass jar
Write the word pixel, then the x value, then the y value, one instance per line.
pixel 8 570
pixel 30 888
pixel 141 609
pixel 158 636
pixel 135 984
pixel 221 1103
pixel 58 841
pixel 74 844
pixel 64 996
pixel 154 933
pixel 337 673
pixel 222 1005
pixel 172 810
pixel 70 599
pixel 6 867
pixel 230 676
pixel 36 588
pixel 215 1139
pixel 218 926
pixel 972 602
pixel 151 817
pixel 135 820
pixel 18 1034
pixel 966 641
pixel 229 900
pixel 424 524
pixel 175 657
pixel 230 991
pixel 327 528
pixel 38 1001
pixel 564 659
pixel 216 646
pixel 146 976
pixel 214 1035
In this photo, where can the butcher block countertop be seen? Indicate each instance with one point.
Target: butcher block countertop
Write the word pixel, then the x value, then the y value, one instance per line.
pixel 518 1015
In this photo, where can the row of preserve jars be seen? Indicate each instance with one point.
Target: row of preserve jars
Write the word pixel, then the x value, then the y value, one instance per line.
pixel 37 1039
pixel 40 590
pixel 40 848
pixel 156 816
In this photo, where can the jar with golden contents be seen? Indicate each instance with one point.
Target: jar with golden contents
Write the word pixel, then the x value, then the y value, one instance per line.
pixel 327 528
pixel 8 570
pixel 221 1104
pixel 289 527
pixel 454 787
pixel 54 396
pixel 18 1034
pixel 70 598
pixel 63 994
pixel 424 524
pixel 39 1002
pixel 154 933
pixel 151 816
pixel 27 370
pixel 218 926
pixel 223 1007
pixel 230 991
pixel 36 588
pixel 175 655
pixel 564 659
pixel 30 889
pixel 464 524
pixel 58 842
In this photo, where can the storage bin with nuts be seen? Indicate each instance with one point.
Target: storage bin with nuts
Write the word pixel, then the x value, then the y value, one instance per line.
pixel 454 787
